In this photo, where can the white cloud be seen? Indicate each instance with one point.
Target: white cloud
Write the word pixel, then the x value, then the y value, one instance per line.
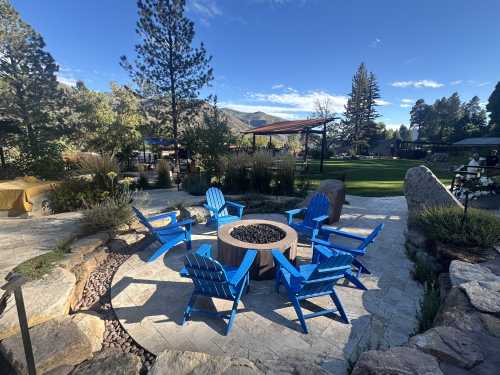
pixel 457 82
pixel 278 86
pixel 290 104
pixel 481 84
pixel 302 102
pixel 206 9
pixel 418 84
pixel 70 81
pixel 405 105
pixel 376 43
pixel 407 101
pixel 382 102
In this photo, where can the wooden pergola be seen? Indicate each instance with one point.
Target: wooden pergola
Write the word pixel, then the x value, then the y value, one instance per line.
pixel 306 127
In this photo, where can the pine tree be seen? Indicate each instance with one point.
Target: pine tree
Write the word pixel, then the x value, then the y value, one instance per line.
pixel 493 107
pixel 167 67
pixel 360 110
pixel 30 93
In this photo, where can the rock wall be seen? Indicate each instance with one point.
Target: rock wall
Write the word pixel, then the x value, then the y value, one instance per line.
pixel 424 190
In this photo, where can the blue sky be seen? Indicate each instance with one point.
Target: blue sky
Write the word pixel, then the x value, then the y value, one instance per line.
pixel 279 55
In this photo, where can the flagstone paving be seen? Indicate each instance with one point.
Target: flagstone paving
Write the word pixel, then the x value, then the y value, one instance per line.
pixel 149 300
pixel 25 238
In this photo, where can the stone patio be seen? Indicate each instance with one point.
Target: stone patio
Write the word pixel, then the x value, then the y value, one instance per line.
pixel 149 300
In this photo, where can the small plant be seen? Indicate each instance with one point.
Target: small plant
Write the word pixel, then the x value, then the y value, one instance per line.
pixel 163 168
pixel 236 179
pixel 303 186
pixel 100 167
pixel 261 171
pixel 35 268
pixel 479 230
pixel 196 183
pixel 285 175
pixel 110 214
pixel 142 182
pixel 73 194
pixel 429 306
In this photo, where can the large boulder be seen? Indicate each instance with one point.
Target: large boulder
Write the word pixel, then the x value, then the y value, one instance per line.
pixel 335 191
pixel 450 345
pixel 44 299
pixel 424 190
pixel 482 297
pixel 58 342
pixel 198 213
pixel 92 326
pixel 184 363
pixel 463 272
pixel 396 361
pixel 110 362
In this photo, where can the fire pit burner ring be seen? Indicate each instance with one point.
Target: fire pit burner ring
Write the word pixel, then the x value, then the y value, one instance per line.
pixel 258 233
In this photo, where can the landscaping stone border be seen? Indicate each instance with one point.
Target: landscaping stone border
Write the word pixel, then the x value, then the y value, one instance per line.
pixel 465 336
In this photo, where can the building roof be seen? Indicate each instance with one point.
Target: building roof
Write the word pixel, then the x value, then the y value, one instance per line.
pixel 288 127
pixel 479 141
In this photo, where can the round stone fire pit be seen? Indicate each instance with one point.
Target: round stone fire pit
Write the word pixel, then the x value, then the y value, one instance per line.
pixel 262 235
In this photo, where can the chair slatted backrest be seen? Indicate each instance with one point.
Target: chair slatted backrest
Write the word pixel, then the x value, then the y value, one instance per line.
pixel 208 276
pixel 374 234
pixel 318 206
pixel 327 273
pixel 142 219
pixel 215 199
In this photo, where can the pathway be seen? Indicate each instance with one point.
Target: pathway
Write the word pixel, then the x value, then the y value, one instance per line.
pixel 23 239
pixel 149 299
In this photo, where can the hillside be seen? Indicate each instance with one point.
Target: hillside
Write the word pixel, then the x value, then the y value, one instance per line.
pixel 253 120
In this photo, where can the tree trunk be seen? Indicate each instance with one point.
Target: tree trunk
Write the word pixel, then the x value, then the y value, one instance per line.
pixel 2 157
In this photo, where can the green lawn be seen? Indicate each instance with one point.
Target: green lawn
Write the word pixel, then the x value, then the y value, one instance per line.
pixel 371 178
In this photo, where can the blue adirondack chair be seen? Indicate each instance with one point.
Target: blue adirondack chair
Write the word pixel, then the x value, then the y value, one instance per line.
pixel 168 235
pixel 321 236
pixel 314 280
pixel 211 279
pixel 314 215
pixel 218 208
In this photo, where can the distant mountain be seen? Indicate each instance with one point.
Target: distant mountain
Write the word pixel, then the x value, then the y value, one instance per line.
pixel 251 119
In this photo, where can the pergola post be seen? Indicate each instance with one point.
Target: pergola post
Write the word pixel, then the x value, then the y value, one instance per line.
pixel 253 142
pixel 323 148
pixel 306 149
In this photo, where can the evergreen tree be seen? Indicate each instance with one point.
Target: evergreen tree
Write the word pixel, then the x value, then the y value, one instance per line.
pixel 360 110
pixel 493 107
pixel 30 93
pixel 167 67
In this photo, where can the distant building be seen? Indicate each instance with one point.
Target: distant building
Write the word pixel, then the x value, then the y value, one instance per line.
pixel 490 142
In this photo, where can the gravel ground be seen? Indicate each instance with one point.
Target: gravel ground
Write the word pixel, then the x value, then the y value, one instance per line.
pixel 97 297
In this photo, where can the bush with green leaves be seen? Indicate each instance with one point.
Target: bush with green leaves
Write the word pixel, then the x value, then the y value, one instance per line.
pixel 110 214
pixel 261 173
pixel 236 176
pixel 285 174
pixel 104 169
pixel 74 194
pixel 163 168
pixel 480 229
pixel 196 183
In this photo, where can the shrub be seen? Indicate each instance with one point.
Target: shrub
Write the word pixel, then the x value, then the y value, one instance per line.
pixel 236 179
pixel 479 230
pixel 74 194
pixel 163 169
pixel 142 182
pixel 196 183
pixel 109 214
pixel 35 268
pixel 261 173
pixel 101 168
pixel 429 306
pixel 285 175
